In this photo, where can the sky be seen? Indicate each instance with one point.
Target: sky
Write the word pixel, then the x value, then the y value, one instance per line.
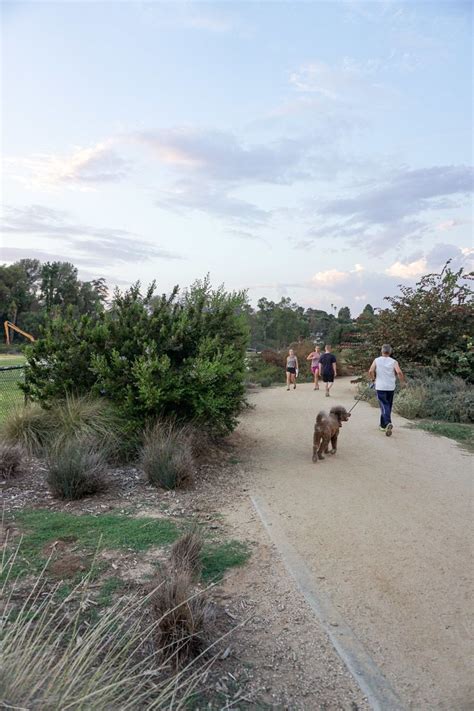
pixel 320 151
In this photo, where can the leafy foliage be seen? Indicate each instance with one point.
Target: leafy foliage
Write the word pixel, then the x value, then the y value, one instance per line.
pixel 432 324
pixel 151 356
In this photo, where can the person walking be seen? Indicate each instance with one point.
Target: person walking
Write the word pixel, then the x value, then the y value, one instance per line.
pixel 291 369
pixel 328 368
pixel 314 357
pixel 384 372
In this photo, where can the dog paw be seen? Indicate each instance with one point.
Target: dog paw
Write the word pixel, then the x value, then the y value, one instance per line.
pixel 315 459
pixel 320 456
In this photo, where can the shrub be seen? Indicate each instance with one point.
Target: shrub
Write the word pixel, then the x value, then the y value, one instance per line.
pixel 179 355
pixel 411 402
pixel 75 469
pixel 166 456
pixel 446 399
pixel 27 426
pixel 12 461
pixel 181 618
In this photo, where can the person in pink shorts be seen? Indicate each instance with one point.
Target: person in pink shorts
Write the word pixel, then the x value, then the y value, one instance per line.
pixel 314 357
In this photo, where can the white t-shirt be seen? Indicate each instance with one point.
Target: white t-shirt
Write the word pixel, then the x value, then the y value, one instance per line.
pixel 385 373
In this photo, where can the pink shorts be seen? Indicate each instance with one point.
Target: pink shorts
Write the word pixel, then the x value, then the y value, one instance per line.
pixel 314 369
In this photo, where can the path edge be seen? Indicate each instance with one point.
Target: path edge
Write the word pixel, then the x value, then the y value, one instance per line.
pixel 361 666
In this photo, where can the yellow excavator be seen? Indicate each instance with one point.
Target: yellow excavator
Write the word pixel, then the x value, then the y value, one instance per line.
pixel 9 325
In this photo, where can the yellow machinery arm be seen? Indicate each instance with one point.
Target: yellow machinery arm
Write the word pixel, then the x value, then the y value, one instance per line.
pixel 9 325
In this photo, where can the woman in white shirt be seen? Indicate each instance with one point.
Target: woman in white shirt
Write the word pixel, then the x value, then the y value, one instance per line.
pixel 384 372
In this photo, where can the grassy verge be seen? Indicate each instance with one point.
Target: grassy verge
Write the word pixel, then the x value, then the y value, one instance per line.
pixel 462 433
pixel 87 534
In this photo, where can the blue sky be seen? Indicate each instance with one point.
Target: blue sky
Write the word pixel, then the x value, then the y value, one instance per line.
pixel 317 150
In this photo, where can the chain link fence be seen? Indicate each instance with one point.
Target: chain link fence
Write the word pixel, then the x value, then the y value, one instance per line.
pixel 11 376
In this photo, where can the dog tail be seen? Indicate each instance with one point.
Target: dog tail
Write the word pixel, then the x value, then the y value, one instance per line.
pixel 320 417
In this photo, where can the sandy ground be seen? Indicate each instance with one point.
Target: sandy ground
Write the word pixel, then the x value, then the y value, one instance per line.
pixel 384 529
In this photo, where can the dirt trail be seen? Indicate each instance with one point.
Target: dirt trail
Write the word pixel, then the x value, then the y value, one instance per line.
pixel 384 529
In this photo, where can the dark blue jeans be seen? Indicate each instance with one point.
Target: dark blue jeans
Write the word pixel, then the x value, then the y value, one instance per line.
pixel 385 398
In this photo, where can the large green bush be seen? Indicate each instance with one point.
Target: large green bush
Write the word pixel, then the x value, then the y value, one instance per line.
pixel 151 356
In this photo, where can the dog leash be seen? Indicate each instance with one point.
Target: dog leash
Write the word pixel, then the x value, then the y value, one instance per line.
pixel 370 386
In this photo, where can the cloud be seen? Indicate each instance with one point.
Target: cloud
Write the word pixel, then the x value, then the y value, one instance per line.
pixel 432 261
pixel 330 277
pixel 211 200
pixel 92 245
pixel 382 217
pixel 84 168
pixel 347 84
pixel 405 193
pixel 221 156
pixel 247 236
pixel 408 270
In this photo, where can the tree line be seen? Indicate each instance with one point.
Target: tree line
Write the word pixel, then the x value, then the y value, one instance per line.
pixel 32 292
pixel 429 325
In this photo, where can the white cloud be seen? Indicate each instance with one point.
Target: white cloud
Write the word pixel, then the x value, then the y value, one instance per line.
pixel 330 277
pixel 408 270
pixel 83 168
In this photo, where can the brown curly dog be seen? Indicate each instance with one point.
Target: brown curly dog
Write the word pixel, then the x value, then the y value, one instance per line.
pixel 326 429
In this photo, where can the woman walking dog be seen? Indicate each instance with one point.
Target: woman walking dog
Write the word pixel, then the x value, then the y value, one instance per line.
pixel 384 372
pixel 291 369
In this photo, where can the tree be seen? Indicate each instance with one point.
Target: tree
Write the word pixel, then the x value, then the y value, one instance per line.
pixel 431 324
pixel 344 314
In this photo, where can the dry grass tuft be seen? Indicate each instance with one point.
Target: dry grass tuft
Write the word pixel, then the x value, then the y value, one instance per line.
pixel 13 461
pixel 166 456
pixel 52 658
pixel 186 554
pixel 28 427
pixel 75 470
pixel 181 616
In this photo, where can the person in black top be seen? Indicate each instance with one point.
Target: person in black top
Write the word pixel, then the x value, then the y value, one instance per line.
pixel 328 368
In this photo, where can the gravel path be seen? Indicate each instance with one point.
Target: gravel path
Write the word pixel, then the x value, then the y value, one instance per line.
pixel 383 529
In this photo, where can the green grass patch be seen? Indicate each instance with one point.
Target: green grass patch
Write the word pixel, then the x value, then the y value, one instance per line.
pixel 88 532
pixel 217 558
pixel 462 433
